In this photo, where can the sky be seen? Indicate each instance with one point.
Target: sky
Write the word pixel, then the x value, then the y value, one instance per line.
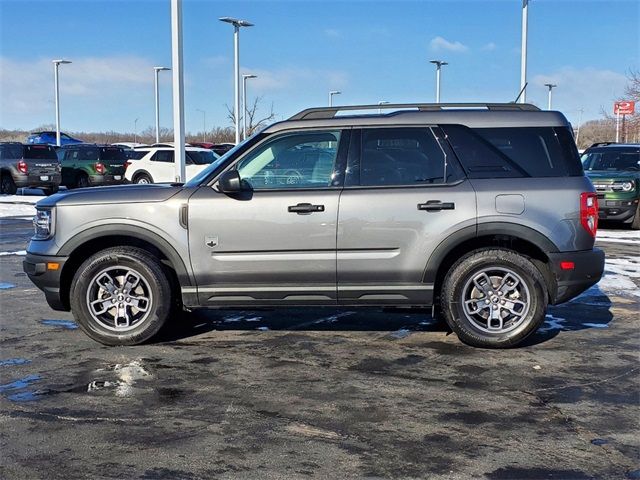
pixel 300 50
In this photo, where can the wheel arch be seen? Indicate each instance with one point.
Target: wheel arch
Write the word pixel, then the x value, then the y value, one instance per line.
pixel 518 238
pixel 85 244
pixel 138 172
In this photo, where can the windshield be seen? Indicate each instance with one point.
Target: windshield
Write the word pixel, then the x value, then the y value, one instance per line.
pixel 612 160
pixel 201 157
pixel 217 164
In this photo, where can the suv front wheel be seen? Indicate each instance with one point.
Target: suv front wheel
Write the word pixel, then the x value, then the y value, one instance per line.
pixel 494 298
pixel 121 296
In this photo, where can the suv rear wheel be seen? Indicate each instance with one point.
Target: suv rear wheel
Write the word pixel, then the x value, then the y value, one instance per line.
pixel 7 184
pixel 82 181
pixel 142 178
pixel 635 224
pixel 494 298
pixel 121 296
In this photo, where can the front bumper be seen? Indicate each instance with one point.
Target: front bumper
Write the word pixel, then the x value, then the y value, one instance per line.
pixel 587 271
pixel 617 210
pixel 41 271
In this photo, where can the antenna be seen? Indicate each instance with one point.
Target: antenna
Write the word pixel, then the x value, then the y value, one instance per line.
pixel 521 92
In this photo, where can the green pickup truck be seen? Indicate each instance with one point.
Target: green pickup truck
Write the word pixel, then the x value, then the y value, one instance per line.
pixel 87 165
pixel 614 170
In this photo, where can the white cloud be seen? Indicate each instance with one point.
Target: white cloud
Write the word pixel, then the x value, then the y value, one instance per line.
pixel 27 86
pixel 440 44
pixel 332 33
pixel 489 47
pixel 293 77
pixel 579 87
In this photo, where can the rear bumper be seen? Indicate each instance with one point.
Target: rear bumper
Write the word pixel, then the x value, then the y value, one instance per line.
pixel 587 271
pixel 107 179
pixel 36 181
pixel 43 276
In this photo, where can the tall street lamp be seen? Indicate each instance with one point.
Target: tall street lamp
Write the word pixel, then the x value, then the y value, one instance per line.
pixel 382 102
pixel 236 50
pixel 523 60
pixel 204 124
pixel 245 111
pixel 331 94
pixel 135 130
pixel 56 64
pixel 180 171
pixel 550 86
pixel 156 70
pixel 439 64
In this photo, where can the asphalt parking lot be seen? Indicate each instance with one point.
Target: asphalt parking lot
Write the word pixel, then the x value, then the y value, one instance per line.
pixel 322 393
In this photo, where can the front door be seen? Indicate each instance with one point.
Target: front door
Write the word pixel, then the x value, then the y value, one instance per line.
pixel 276 241
pixel 404 194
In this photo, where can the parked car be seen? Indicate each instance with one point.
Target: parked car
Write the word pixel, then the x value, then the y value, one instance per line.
pixel 614 170
pixel 157 164
pixel 222 148
pixel 87 165
pixel 34 166
pixel 49 138
pixel 483 211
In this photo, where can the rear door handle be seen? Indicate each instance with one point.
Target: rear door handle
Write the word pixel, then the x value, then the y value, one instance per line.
pixel 305 208
pixel 436 206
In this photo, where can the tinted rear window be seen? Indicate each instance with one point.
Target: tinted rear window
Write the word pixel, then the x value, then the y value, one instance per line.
pixel 515 152
pixel 112 153
pixel 40 152
pixel 201 157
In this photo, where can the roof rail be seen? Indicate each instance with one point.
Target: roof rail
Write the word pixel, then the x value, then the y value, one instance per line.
pixel 330 112
pixel 602 144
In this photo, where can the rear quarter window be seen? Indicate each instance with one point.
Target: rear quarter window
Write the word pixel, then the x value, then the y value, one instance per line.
pixel 515 152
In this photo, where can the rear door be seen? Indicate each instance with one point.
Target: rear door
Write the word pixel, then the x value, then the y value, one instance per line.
pixel 404 194
pixel 276 241
pixel 162 166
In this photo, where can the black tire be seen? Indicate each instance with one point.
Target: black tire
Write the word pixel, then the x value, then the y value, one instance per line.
pixel 142 178
pixel 50 191
pixel 152 278
pixel 82 181
pixel 635 224
pixel 7 184
pixel 459 282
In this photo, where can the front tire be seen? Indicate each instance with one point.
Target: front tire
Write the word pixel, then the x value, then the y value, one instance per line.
pixel 121 296
pixel 635 225
pixel 50 191
pixel 494 298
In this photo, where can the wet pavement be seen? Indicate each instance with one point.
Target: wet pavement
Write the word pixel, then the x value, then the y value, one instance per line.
pixel 321 393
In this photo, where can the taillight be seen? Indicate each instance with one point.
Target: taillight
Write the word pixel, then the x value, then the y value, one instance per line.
pixel 589 212
pixel 23 167
pixel 100 168
pixel 126 165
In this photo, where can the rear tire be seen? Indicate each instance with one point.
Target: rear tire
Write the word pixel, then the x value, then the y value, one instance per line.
pixel 50 191
pixel 7 184
pixel 494 298
pixel 121 296
pixel 142 178
pixel 635 225
pixel 82 181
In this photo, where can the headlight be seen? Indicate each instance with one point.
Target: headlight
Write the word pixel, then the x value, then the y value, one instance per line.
pixel 627 186
pixel 43 225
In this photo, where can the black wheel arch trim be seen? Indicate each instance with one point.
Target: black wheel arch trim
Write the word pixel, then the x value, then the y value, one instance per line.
pixel 94 233
pixel 481 230
pixel 141 172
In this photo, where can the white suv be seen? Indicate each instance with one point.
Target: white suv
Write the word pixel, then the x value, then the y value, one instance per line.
pixel 157 165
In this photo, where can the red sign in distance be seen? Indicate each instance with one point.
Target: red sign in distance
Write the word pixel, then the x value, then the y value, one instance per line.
pixel 624 108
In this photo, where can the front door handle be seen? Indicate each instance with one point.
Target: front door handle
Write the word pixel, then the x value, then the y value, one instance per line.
pixel 436 206
pixel 305 208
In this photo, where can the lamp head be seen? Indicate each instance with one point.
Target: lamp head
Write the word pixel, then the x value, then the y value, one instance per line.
pixel 236 22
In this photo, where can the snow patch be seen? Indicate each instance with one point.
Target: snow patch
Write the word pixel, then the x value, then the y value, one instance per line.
pixel 20 253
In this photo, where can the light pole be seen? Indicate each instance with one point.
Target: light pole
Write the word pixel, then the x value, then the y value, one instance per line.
pixel 236 61
pixel 135 130
pixel 180 172
pixel 523 60
pixel 331 94
pixel 156 70
pixel 382 102
pixel 438 64
pixel 204 124
pixel 581 111
pixel 245 77
pixel 56 64
pixel 550 86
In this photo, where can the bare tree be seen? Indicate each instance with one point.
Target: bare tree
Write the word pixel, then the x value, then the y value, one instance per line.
pixel 254 121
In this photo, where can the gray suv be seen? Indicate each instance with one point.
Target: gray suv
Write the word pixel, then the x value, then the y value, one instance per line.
pixel 480 210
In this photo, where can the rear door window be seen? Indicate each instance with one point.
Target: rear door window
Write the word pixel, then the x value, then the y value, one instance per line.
pixel 11 151
pixel 515 151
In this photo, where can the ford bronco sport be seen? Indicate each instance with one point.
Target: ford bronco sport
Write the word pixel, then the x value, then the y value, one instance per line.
pixel 33 166
pixel 482 210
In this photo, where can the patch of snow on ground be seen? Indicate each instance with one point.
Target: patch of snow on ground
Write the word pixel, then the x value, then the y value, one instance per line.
pixel 631 237
pixel 20 253
pixel 618 274
pixel 16 210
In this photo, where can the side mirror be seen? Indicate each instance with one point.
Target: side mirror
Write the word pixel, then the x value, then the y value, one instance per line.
pixel 230 182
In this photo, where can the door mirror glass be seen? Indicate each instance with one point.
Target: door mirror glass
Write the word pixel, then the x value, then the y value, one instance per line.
pixel 230 182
